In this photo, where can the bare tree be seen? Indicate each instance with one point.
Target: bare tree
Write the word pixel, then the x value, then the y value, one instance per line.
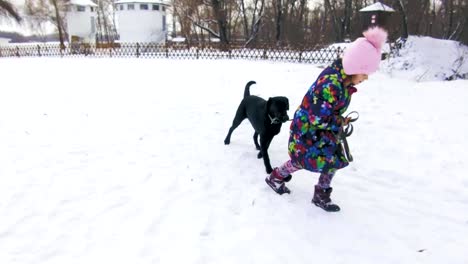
pixel 251 31
pixel 337 24
pixel 106 20
pixel 219 10
pixel 404 18
pixel 278 20
pixel 60 23
pixel 42 11
pixel 346 23
pixel 7 9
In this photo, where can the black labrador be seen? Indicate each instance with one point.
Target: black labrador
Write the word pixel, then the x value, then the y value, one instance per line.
pixel 266 118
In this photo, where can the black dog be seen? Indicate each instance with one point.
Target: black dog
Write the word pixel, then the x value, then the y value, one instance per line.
pixel 266 118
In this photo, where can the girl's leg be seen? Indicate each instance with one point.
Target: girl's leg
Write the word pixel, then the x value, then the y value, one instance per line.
pixel 288 168
pixel 281 175
pixel 322 192
pixel 325 179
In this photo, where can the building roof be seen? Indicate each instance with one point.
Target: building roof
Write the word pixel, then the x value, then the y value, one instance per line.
pixel 377 7
pixel 82 2
pixel 141 1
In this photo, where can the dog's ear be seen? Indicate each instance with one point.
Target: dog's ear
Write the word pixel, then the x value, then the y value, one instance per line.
pixel 268 104
pixel 285 100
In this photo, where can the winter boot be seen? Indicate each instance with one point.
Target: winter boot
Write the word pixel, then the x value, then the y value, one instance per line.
pixel 276 182
pixel 322 199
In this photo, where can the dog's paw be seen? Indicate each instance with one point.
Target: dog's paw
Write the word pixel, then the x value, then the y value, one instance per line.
pixel 258 147
pixel 260 155
pixel 226 142
pixel 269 170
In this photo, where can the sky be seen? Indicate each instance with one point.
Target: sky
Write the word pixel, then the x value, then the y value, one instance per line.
pixel 124 162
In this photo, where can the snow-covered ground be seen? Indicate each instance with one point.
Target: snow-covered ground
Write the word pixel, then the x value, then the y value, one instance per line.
pixel 123 161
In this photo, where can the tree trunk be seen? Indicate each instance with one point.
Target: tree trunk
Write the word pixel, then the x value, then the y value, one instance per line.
pixel 104 20
pixel 256 21
pixel 220 16
pixel 323 24
pixel 59 23
pixel 421 14
pixel 404 19
pixel 244 19
pixel 449 10
pixel 336 25
pixel 347 18
pixel 279 21
pixel 10 10
pixel 429 32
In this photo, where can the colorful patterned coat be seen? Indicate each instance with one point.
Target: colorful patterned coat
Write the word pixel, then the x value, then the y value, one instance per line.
pixel 313 143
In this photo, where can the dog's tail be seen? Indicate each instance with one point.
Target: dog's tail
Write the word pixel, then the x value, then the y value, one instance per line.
pixel 247 88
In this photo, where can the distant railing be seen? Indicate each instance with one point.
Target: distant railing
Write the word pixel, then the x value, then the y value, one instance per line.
pixel 176 51
pixel 296 53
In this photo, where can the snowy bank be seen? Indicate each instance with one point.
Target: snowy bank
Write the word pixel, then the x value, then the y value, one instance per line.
pixel 428 59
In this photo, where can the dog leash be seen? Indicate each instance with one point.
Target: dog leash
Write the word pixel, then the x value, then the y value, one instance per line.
pixel 345 131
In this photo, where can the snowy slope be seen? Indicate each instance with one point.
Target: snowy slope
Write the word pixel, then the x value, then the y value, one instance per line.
pixel 429 59
pixel 425 59
pixel 123 161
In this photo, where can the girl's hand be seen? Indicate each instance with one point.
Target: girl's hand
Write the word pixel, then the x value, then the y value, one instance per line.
pixel 346 120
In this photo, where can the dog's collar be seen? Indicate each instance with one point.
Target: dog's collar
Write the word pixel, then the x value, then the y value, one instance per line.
pixel 275 120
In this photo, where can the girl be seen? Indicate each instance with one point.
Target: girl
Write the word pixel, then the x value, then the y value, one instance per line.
pixel 313 141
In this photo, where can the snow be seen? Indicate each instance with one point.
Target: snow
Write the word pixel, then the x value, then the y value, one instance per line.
pixel 424 59
pixel 428 59
pixel 4 41
pixel 82 2
pixel 131 168
pixel 141 1
pixel 377 7
pixel 177 39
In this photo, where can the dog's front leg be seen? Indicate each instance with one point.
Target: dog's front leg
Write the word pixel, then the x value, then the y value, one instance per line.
pixel 255 138
pixel 265 141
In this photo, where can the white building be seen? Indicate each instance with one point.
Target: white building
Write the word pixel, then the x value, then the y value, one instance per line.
pixel 4 41
pixel 141 20
pixel 81 20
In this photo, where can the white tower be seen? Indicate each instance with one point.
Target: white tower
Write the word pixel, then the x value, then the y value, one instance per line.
pixel 81 20
pixel 141 20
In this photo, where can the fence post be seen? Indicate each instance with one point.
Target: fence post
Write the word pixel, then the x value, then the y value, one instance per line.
pixel 167 50
pixel 300 56
pixel 1 55
pixel 338 52
pixel 17 51
pixel 197 53
pixel 39 50
pixel 138 50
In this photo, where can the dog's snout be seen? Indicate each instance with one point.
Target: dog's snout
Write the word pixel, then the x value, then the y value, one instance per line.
pixel 285 118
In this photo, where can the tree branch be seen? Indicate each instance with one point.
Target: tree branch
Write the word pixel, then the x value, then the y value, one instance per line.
pixel 7 7
pixel 209 30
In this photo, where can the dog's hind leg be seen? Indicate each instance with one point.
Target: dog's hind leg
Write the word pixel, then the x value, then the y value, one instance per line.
pixel 240 116
pixel 255 138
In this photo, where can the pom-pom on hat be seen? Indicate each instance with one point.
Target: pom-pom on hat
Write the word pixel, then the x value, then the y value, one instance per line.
pixel 364 54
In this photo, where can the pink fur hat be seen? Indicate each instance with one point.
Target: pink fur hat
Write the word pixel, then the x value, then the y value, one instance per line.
pixel 363 55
